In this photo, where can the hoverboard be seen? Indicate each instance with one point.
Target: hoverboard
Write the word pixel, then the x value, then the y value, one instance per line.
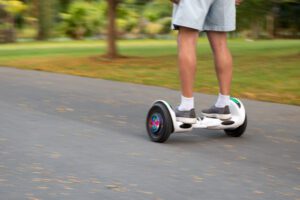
pixel 161 121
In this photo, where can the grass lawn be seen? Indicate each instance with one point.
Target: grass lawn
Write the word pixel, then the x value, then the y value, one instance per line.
pixel 264 70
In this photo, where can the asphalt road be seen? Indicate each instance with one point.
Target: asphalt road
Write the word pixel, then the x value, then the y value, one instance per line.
pixel 67 137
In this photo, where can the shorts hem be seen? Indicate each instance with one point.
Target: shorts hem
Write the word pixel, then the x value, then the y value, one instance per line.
pixel 176 25
pixel 219 28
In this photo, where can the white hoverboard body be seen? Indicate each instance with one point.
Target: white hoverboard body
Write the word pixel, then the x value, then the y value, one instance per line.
pixel 161 115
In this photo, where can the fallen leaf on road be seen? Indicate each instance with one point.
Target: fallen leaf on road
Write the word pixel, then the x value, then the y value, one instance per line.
pixel 64 109
pixel 258 192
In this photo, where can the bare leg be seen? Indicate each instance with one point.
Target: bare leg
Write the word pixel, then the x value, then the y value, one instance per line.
pixel 223 60
pixel 187 57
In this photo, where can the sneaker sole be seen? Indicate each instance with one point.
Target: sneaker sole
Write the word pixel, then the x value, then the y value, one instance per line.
pixel 218 116
pixel 186 120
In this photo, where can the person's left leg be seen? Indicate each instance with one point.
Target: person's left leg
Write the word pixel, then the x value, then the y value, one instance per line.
pixel 222 59
pixel 221 19
pixel 223 66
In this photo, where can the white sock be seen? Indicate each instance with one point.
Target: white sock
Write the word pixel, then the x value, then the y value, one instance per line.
pixel 186 104
pixel 223 100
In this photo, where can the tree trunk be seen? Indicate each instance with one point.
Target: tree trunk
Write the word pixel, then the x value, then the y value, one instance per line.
pixel 271 25
pixel 112 51
pixel 44 12
pixel 8 33
pixel 255 26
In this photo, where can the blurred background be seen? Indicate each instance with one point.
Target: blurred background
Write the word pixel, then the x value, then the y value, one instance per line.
pixel 23 20
pixel 80 37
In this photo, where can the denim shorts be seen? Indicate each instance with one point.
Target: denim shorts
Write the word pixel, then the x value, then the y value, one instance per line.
pixel 205 15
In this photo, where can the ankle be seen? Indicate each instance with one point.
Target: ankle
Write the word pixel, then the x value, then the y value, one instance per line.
pixel 222 101
pixel 187 103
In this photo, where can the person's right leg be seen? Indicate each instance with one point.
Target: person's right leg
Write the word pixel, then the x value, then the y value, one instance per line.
pixel 187 58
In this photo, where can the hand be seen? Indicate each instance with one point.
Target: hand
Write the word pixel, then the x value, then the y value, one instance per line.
pixel 175 1
pixel 238 2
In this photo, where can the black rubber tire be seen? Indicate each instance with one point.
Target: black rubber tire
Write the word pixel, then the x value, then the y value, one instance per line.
pixel 237 132
pixel 167 126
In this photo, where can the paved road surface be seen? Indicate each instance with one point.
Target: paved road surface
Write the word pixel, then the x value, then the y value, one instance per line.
pixel 66 137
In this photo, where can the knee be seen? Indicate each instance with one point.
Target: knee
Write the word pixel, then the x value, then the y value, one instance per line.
pixel 188 35
pixel 219 47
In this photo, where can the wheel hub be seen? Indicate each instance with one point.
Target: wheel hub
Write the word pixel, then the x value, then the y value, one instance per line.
pixel 155 123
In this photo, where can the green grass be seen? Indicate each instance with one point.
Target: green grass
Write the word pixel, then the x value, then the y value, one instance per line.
pixel 264 70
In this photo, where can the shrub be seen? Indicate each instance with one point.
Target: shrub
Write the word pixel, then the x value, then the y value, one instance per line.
pixel 83 19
